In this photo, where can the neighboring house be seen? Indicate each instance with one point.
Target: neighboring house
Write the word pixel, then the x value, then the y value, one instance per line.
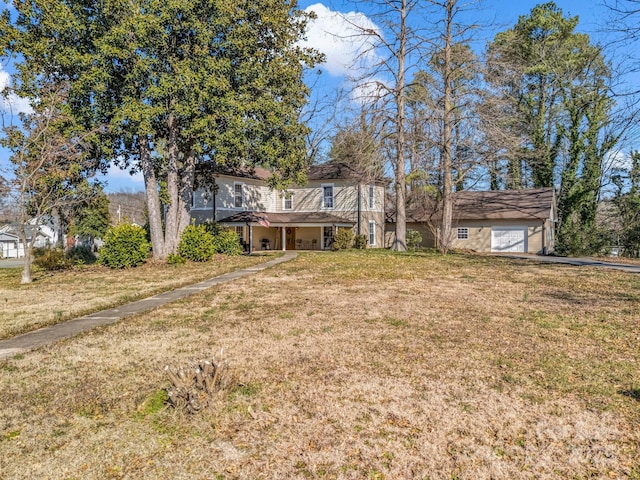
pixel 301 218
pixel 12 247
pixel 10 244
pixel 492 221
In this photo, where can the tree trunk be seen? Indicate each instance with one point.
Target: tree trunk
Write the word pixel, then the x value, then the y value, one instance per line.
pixel 153 199
pixel 187 175
pixel 400 242
pixel 171 234
pixel 28 253
pixel 447 136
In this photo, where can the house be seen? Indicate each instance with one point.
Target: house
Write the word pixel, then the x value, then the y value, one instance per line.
pixel 491 221
pixel 12 247
pixel 304 217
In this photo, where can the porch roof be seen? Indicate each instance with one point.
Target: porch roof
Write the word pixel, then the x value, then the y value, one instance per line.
pixel 267 219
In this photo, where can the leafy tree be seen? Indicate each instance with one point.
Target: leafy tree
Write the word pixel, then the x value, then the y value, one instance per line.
pixel 51 163
pixel 91 219
pixel 552 87
pixel 206 80
pixel 627 201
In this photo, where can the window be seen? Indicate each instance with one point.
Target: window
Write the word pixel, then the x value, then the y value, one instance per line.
pixel 238 195
pixel 240 232
pixel 327 237
pixel 287 201
pixel 372 196
pixel 327 196
pixel 372 232
pixel 463 233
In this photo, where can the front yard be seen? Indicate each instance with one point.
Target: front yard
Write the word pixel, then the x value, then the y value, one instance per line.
pixel 54 297
pixel 349 365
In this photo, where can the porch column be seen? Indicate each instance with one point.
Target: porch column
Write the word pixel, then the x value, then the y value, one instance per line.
pixel 250 238
pixel 284 239
pixel 321 243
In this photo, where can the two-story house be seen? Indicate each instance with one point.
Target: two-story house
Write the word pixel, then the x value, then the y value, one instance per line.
pixel 301 218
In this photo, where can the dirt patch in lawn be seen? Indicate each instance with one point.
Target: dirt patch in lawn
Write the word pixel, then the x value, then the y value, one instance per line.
pixel 348 366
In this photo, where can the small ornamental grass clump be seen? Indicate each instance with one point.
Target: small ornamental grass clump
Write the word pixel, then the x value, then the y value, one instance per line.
pixel 196 244
pixel 124 246
pixel 197 385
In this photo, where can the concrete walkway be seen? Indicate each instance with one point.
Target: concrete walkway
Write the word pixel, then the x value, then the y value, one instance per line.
pixel 48 335
pixel 578 262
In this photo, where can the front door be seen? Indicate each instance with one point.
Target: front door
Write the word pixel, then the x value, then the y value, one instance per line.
pixel 291 238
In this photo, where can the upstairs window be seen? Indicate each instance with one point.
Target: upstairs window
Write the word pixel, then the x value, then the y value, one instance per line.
pixel 372 196
pixel 238 195
pixel 327 196
pixel 287 201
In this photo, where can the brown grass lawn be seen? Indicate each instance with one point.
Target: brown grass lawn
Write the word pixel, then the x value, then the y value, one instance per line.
pixel 355 365
pixel 57 296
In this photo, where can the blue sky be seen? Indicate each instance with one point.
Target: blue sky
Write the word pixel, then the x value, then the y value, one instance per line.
pixel 492 15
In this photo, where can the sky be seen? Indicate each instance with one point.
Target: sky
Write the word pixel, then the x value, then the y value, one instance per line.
pixel 330 31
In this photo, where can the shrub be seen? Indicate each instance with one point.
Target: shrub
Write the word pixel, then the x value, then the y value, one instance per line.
pixel 360 242
pixel 227 242
pixel 175 259
pixel 414 239
pixel 124 246
pixel 81 256
pixel 214 228
pixel 196 244
pixel 51 259
pixel 343 239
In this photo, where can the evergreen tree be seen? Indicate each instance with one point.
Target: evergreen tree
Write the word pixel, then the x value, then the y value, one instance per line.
pixel 207 79
pixel 553 83
pixel 627 201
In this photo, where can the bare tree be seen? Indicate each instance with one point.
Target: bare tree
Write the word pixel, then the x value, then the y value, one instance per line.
pixel 398 48
pixel 50 163
pixel 404 44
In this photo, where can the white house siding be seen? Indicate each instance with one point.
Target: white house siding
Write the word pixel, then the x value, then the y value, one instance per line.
pixel 258 197
pixel 480 234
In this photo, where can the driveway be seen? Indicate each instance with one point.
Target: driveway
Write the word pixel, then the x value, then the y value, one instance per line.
pixel 578 262
pixel 11 263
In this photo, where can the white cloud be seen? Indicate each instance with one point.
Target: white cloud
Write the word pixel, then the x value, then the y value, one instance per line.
pixel 10 102
pixel 340 37
pixel 122 180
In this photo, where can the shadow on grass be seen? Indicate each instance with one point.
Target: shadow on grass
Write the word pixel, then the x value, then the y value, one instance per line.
pixel 633 393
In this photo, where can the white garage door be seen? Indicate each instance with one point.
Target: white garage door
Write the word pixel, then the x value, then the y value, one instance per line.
pixel 509 239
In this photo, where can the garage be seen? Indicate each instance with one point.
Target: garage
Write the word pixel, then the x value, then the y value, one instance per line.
pixel 509 239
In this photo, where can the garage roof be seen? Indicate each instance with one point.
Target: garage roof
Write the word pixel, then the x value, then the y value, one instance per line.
pixel 527 204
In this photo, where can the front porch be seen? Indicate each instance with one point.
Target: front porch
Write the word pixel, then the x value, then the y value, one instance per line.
pixel 285 231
